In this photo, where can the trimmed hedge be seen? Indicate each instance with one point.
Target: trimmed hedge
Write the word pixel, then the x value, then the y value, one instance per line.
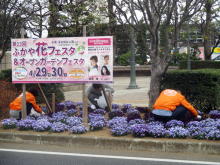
pixel 200 87
pixel 196 64
pixel 48 88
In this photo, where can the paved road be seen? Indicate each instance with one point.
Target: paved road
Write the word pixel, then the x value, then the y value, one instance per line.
pixel 20 154
pixel 136 97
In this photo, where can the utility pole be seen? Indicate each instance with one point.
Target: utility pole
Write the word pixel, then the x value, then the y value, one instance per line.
pixel 133 84
pixel 188 49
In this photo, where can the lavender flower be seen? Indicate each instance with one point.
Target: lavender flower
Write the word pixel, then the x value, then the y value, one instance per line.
pixel 98 118
pixel 115 106
pixel 59 127
pixel 119 131
pixel 56 118
pixel 79 104
pixel 25 124
pixel 157 131
pixel 193 123
pixel 96 125
pixel 9 123
pixel 213 135
pixel 80 129
pixel 115 113
pixel 42 125
pixel 142 109
pixel 140 130
pixel 174 123
pixel 45 109
pixel 130 111
pixel 125 107
pixel 207 123
pixel 117 121
pixel 214 114
pixel 59 107
pixel 178 132
pixel 71 112
pixel 99 111
pixel 133 116
pixel 136 121
pixel 148 117
pixel 73 121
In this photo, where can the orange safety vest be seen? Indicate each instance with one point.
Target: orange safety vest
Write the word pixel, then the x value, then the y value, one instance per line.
pixel 169 99
pixel 16 104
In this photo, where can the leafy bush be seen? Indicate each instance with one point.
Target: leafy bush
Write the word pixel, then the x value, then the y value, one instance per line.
pixel 124 59
pixel 200 64
pixel 8 92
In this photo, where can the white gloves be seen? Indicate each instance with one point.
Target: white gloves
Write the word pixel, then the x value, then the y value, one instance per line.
pixel 198 117
pixel 42 113
pixel 93 107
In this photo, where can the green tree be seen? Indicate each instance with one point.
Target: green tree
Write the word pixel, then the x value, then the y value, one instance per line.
pixel 155 13
pixel 12 16
pixel 125 59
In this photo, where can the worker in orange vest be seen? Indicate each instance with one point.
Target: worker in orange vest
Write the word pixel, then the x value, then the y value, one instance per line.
pixel 170 105
pixel 15 106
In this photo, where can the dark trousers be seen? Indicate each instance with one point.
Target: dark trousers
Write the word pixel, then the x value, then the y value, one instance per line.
pixel 177 114
pixel 29 106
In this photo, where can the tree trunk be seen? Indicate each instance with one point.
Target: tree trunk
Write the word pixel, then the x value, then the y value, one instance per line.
pixel 207 46
pixel 155 83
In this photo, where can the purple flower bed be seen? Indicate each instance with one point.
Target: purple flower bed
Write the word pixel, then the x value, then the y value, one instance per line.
pixel 178 132
pixel 71 112
pixel 80 129
pixel 174 123
pixel 79 104
pixel 69 104
pixel 133 116
pixel 130 111
pixel 142 109
pixel 140 130
pixel 73 121
pixel 42 125
pixel 115 113
pixel 119 124
pixel 99 111
pixel 125 107
pixel 96 125
pixel 115 106
pixel 214 114
pixel 59 127
pixel 148 117
pixel 9 123
pixel 25 125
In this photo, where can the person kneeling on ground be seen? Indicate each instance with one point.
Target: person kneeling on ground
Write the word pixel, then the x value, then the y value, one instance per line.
pixel 15 106
pixel 172 105
pixel 94 92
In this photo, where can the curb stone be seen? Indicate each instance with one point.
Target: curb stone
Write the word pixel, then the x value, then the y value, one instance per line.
pixel 112 143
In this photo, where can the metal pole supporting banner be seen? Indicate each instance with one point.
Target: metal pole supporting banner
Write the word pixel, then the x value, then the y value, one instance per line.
pixel 23 100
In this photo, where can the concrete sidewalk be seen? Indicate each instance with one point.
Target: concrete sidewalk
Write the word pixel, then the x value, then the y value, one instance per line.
pixel 122 95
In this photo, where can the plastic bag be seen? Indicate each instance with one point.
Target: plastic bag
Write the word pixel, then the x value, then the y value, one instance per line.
pixel 101 101
pixel 34 113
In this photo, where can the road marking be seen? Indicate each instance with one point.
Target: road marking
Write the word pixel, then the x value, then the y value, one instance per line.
pixel 109 156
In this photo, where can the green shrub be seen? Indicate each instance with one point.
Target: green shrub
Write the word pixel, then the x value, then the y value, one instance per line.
pixel 195 64
pixel 48 88
pixel 124 59
pixel 200 87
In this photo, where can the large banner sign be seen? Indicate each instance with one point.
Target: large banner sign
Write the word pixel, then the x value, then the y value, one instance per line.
pixel 62 60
